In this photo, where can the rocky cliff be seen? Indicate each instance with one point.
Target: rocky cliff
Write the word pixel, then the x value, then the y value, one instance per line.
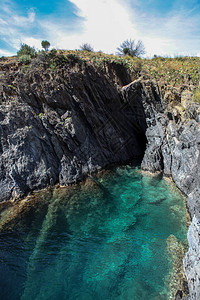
pixel 174 148
pixel 63 121
pixel 57 126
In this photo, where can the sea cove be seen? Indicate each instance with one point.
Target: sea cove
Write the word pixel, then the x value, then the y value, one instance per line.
pixel 110 238
pixel 68 115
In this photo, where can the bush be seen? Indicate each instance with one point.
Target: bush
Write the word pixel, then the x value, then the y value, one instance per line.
pixel 59 60
pixel 86 47
pixel 129 47
pixel 25 59
pixel 52 53
pixel 73 58
pixel 26 50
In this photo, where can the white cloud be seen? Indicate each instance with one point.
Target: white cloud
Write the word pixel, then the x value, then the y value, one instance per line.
pixel 33 42
pixel 13 27
pixel 106 24
pixel 5 53
pixel 2 22
pixel 24 21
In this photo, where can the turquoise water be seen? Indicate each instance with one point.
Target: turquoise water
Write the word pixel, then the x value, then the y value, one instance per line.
pixel 103 240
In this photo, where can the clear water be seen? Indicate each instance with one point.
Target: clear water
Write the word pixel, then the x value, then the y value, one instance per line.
pixel 103 240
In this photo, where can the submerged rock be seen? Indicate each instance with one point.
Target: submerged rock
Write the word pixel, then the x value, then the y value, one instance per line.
pixel 192 259
pixel 176 279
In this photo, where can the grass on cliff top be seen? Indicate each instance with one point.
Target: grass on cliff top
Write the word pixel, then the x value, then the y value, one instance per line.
pixel 173 71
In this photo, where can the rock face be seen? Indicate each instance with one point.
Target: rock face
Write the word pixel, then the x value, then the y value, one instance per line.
pixel 59 126
pixel 174 148
pixel 192 259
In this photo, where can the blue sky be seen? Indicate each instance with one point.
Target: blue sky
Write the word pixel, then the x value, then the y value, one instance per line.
pixel 165 27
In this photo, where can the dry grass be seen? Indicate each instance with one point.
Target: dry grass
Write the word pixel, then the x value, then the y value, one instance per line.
pixel 173 71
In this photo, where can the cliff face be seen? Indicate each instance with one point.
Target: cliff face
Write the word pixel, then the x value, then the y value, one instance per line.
pixel 174 148
pixel 58 125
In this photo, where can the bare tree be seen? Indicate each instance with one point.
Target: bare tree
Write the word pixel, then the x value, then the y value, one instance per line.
pixel 86 47
pixel 131 48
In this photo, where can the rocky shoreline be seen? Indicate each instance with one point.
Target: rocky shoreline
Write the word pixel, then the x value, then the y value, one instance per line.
pixel 59 126
pixel 174 149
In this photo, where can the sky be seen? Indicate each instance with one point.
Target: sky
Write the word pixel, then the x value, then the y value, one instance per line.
pixel 166 28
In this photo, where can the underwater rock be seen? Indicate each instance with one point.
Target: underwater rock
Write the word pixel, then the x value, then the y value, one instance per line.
pixel 192 259
pixel 158 202
pixel 176 279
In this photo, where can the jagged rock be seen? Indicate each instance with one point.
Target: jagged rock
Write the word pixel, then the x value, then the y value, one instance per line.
pixel 194 203
pixel 174 149
pixel 179 152
pixel 61 126
pixel 192 260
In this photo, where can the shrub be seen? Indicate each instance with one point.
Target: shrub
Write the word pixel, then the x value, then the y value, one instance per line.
pixel 25 59
pixel 73 58
pixel 57 60
pixel 52 53
pixel 26 50
pixel 129 47
pixel 86 47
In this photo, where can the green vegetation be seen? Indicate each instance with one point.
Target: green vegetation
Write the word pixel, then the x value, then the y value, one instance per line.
pixel 12 87
pixel 26 50
pixel 196 97
pixel 178 71
pixel 25 68
pixel 45 45
pixel 26 53
pixel 173 71
pixel 53 52
pixel 25 59
pixel 131 48
pixel 57 60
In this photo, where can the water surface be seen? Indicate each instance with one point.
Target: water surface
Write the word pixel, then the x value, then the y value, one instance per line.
pixel 103 240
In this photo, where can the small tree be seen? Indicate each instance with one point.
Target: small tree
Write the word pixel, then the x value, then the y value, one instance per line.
pixel 131 48
pixel 45 45
pixel 86 47
pixel 26 50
